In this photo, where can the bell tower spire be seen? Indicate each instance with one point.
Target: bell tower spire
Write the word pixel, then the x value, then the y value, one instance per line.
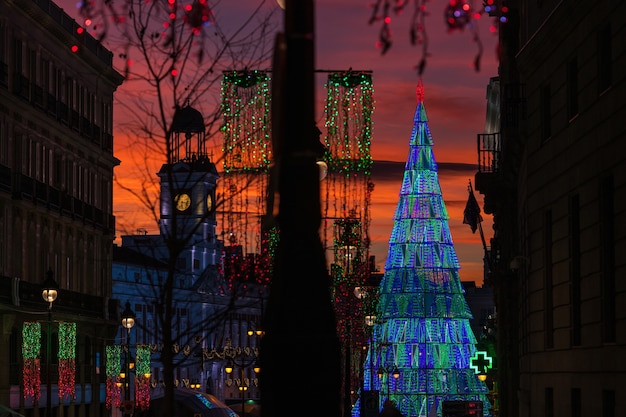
pixel 188 141
pixel 188 180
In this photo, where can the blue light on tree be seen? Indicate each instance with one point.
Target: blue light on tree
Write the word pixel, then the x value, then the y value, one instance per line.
pixel 422 343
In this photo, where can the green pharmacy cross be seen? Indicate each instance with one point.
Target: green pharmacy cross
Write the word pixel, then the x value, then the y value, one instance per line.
pixel 480 362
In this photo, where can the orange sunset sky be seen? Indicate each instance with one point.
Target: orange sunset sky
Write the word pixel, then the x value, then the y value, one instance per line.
pixel 454 99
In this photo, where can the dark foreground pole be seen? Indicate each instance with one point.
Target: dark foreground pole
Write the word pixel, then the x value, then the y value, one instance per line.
pixel 300 351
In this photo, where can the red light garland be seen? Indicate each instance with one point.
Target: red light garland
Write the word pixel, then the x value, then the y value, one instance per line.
pixel 458 14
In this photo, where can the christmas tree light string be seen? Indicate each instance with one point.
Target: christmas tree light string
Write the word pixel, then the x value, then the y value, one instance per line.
pixel 420 350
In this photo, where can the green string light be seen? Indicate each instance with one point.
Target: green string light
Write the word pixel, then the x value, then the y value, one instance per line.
pixel 113 365
pixel 246 105
pixel 143 360
pixel 349 110
pixel 31 336
pixel 31 348
pixel 67 341
pixel 67 360
pixel 113 369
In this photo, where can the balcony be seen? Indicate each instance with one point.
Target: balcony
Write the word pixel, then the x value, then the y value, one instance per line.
pixel 489 166
pixel 23 187
pixel 29 296
pixel 489 149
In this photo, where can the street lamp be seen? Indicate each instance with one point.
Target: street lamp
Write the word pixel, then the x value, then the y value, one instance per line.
pixel 393 372
pixel 242 385
pixel 128 321
pixel 49 293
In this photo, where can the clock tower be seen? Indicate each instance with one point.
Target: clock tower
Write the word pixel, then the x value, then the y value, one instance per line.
pixel 188 182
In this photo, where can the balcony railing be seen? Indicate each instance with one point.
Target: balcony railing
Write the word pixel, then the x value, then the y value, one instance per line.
pixel 23 187
pixel 489 148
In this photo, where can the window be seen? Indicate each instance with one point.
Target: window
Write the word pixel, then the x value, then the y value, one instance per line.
pixel 572 88
pixel 575 298
pixel 46 170
pixel 69 177
pixel 87 358
pixel 139 327
pixel 15 346
pixel 31 162
pixel 3 39
pixel 45 75
pixel 69 92
pixel 4 143
pixel 91 108
pixel 549 309
pixel 58 171
pixel 608 403
pixel 32 66
pixel 549 402
pixel 576 403
pixel 545 113
pixel 181 323
pixel 58 85
pixel 81 104
pixel 107 122
pixel 607 260
pixel 605 59
pixel 18 54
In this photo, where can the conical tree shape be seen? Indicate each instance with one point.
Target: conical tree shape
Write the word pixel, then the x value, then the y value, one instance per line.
pixel 422 342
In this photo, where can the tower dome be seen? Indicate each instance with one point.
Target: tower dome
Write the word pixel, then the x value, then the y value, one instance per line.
pixel 188 120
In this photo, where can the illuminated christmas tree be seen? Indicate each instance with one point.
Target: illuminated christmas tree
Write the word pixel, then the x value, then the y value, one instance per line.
pixel 422 343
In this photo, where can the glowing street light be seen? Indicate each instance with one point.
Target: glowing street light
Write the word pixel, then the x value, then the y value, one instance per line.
pixel 49 293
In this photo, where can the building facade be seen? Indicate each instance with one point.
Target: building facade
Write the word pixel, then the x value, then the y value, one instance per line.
pixel 215 318
pixel 554 176
pixel 56 206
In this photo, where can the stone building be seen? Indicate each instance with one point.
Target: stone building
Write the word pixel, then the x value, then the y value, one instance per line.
pixel 553 174
pixel 56 205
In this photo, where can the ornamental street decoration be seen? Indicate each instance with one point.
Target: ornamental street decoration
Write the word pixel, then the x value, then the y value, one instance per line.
pixel 422 342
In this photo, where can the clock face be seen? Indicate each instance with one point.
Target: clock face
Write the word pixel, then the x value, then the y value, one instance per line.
pixel 183 201
pixel 209 203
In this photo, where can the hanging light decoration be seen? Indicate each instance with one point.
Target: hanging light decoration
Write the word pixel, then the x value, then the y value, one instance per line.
pixel 246 104
pixel 457 14
pixel 346 189
pixel 113 369
pixel 142 377
pixel 31 347
pixel 67 360
pixel 422 332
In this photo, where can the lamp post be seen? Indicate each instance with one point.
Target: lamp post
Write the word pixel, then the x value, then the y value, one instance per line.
pixel 370 320
pixel 49 293
pixel 394 372
pixel 242 385
pixel 128 321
